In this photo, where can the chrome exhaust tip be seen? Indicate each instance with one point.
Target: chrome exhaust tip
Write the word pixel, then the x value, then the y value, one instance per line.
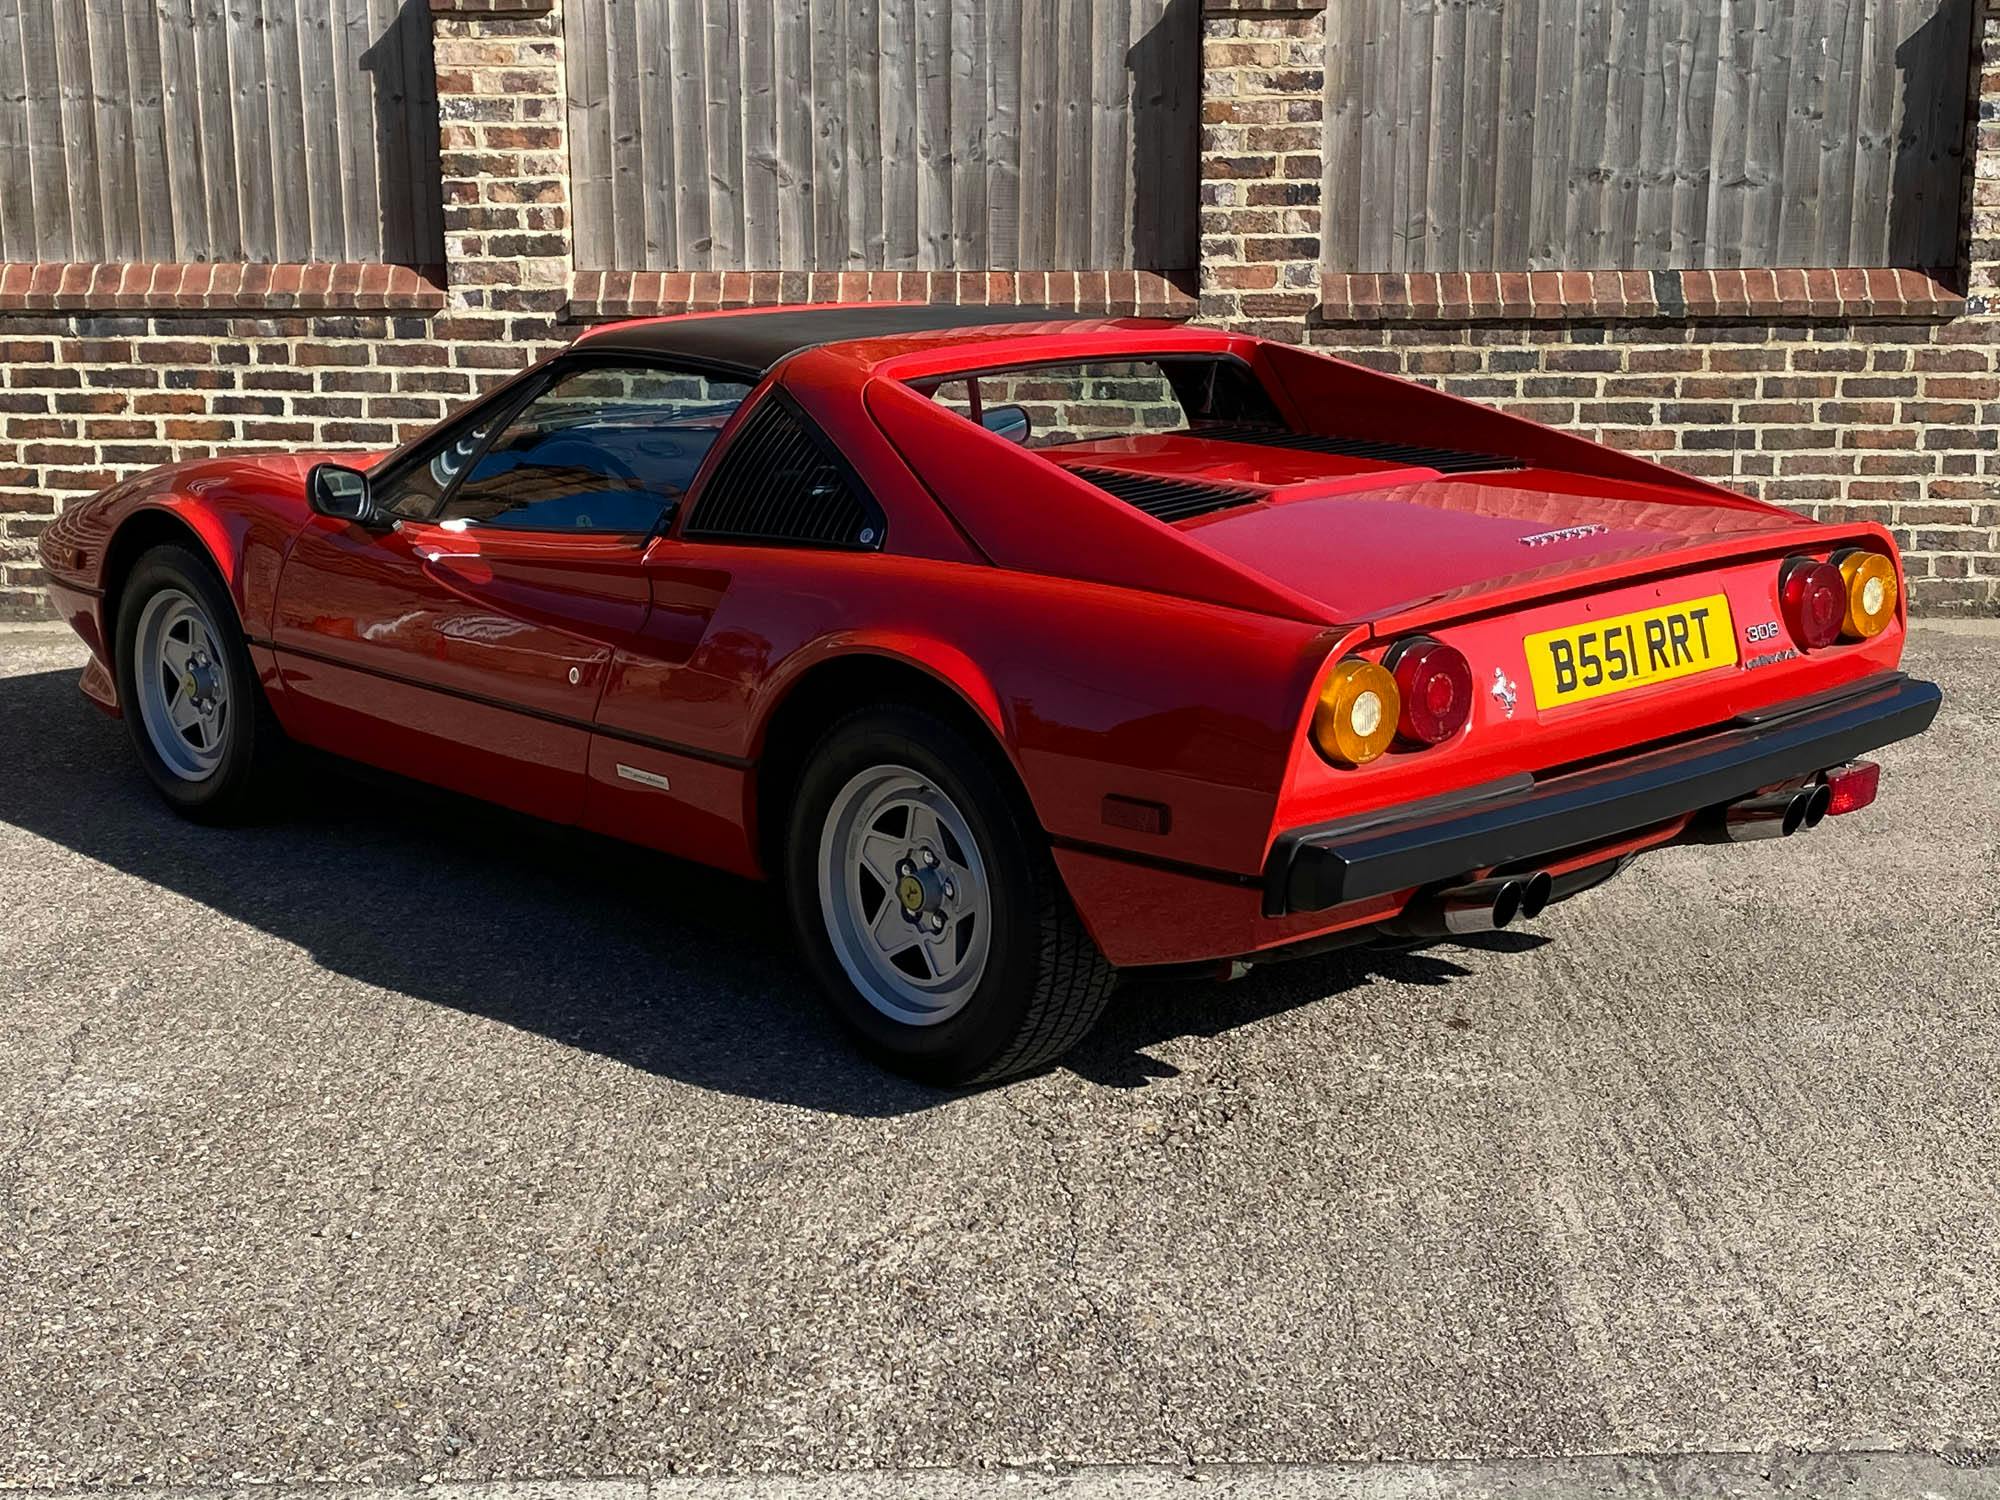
pixel 1477 906
pixel 1776 815
pixel 1535 892
pixel 1482 905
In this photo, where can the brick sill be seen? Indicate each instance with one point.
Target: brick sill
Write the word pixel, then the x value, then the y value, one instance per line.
pixel 479 9
pixel 598 295
pixel 1845 294
pixel 217 286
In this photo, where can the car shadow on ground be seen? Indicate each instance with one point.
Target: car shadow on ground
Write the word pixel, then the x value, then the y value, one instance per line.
pixel 655 963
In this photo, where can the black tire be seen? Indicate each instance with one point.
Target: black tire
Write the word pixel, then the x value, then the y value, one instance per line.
pixel 240 785
pixel 1045 983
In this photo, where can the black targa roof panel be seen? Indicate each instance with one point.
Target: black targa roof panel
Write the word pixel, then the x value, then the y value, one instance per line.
pixel 751 342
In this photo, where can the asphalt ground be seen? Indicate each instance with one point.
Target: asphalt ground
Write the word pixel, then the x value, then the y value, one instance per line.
pixel 399 1140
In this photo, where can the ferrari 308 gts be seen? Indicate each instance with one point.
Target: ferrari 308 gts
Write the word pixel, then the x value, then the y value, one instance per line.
pixel 1017 650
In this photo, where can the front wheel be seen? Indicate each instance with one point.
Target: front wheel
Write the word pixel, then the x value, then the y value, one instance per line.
pixel 191 698
pixel 929 907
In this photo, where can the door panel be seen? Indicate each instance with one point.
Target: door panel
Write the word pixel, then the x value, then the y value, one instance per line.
pixel 470 658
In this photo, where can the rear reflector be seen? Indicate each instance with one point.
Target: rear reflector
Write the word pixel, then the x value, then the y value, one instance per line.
pixel 1853 786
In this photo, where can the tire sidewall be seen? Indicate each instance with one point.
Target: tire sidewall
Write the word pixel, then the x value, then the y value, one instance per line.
pixel 176 567
pixel 965 1044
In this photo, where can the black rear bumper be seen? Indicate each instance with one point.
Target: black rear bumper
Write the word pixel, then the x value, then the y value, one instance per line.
pixel 1396 849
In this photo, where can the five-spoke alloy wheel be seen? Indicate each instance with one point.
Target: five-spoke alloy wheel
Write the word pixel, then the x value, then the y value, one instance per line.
pixel 929 906
pixel 903 892
pixel 192 702
pixel 183 684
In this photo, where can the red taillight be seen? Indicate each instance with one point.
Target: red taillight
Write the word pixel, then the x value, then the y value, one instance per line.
pixel 1435 681
pixel 1814 597
pixel 1853 786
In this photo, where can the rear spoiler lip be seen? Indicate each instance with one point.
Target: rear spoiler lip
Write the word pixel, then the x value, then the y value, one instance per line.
pixel 1477 601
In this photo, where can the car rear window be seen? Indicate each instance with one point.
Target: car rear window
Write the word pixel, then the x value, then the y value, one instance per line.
pixel 1090 400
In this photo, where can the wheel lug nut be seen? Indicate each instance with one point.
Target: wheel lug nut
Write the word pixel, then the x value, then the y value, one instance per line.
pixel 930 857
pixel 937 921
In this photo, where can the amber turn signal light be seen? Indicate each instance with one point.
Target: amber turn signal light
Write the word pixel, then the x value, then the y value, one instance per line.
pixel 1870 579
pixel 1357 714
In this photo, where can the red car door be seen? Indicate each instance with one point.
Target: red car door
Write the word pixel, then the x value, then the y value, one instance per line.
pixel 468 643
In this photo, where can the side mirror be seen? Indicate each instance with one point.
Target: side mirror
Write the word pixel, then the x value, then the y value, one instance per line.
pixel 340 492
pixel 1010 422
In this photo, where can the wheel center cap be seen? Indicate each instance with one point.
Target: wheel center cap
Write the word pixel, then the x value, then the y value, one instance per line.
pixel 910 891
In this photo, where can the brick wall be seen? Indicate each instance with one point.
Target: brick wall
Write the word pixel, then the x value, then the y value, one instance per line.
pixel 1836 395
pixel 1874 399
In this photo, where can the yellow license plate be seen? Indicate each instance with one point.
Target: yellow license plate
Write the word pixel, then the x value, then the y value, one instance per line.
pixel 1580 662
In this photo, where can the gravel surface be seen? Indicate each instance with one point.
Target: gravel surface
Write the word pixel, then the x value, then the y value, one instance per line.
pixel 403 1139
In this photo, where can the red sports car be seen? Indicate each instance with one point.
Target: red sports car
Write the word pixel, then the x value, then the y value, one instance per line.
pixel 1018 650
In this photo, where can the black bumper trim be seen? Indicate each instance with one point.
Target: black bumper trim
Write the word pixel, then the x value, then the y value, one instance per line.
pixel 1324 865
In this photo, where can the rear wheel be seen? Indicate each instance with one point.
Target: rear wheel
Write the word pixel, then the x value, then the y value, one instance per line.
pixel 192 702
pixel 930 908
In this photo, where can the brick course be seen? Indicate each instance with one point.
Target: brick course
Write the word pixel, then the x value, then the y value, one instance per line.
pixel 1868 397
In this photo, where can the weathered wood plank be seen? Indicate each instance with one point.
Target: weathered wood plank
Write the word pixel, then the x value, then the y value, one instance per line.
pixel 865 237
pixel 1073 108
pixel 968 109
pixel 1486 56
pixel 830 119
pixel 1836 155
pixel 17 185
pixel 181 129
pixel 1645 221
pixel 1772 67
pixel 1040 158
pixel 587 103
pixel 1004 31
pixel 624 115
pixel 1798 205
pixel 117 169
pixel 1346 129
pixel 47 162
pixel 1594 128
pixel 1874 127
pixel 221 202
pixel 1166 135
pixel 1516 165
pixel 760 136
pixel 1729 134
pixel 1555 88
pixel 722 65
pixel 690 104
pixel 899 86
pixel 70 66
pixel 1109 216
pixel 1433 229
pixel 796 89
pixel 281 54
pixel 328 234
pixel 1377 185
pixel 935 166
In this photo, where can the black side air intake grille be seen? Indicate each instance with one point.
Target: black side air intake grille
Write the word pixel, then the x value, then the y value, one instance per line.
pixel 1167 499
pixel 780 481
pixel 1444 460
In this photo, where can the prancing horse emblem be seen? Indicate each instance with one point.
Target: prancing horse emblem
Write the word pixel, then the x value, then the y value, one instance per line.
pixel 1503 691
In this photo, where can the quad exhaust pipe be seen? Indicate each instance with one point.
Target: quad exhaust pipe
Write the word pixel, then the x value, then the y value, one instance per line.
pixel 1477 906
pixel 1776 815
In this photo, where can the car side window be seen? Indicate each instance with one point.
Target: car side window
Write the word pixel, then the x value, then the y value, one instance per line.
pixel 413 494
pixel 605 448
